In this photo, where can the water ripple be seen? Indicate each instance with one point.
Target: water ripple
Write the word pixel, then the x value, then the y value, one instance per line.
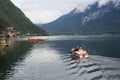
pixel 94 69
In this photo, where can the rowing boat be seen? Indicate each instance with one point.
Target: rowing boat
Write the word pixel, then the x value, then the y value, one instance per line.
pixel 36 39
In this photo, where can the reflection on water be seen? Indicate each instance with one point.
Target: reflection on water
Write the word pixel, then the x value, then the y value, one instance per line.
pixel 43 53
pixel 6 43
pixel 10 41
pixel 11 58
pixel 51 60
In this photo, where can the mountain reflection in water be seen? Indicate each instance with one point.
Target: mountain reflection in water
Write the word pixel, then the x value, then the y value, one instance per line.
pixel 51 60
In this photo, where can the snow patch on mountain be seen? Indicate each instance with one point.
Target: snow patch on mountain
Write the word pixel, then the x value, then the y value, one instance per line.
pixel 104 2
pixel 81 8
pixel 116 3
pixel 93 16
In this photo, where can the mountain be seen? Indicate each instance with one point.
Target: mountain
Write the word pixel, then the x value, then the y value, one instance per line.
pixel 95 19
pixel 14 17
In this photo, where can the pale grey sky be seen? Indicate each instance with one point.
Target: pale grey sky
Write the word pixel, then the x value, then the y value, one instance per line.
pixel 44 11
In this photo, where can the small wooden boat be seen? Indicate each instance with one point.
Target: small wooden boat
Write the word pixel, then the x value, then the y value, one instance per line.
pixel 36 39
pixel 76 56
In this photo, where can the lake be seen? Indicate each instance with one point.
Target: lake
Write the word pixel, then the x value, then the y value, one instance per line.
pixel 51 59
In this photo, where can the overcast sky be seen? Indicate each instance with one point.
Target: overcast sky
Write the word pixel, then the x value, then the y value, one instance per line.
pixel 44 11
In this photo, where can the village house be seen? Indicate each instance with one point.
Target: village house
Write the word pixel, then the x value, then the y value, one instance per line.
pixel 10 31
pixel 5 30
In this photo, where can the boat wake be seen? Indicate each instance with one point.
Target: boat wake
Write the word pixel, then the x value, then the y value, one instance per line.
pixel 94 68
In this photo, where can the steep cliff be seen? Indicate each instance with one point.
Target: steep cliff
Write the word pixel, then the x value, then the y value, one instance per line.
pixel 16 18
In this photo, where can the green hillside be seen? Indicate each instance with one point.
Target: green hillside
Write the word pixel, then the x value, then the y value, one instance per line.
pixel 16 18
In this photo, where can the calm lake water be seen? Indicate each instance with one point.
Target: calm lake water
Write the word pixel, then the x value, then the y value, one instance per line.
pixel 51 60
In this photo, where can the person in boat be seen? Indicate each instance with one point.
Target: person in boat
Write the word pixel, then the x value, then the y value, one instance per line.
pixel 81 53
pixel 73 50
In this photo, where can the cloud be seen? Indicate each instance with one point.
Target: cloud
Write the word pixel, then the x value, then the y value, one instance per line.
pixel 103 2
pixel 46 16
pixel 44 11
pixel 84 5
